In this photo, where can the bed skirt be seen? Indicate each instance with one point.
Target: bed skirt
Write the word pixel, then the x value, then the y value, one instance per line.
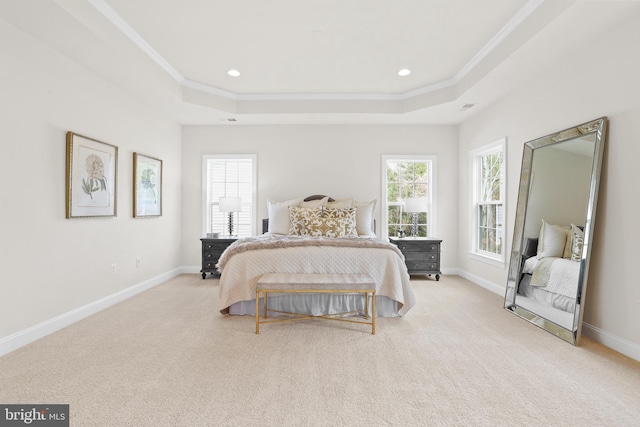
pixel 317 304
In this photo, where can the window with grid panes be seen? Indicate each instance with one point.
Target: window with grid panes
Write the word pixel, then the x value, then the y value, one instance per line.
pixel 229 176
pixel 405 177
pixel 488 209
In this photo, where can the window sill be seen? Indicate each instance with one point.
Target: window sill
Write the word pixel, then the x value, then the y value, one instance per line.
pixel 500 263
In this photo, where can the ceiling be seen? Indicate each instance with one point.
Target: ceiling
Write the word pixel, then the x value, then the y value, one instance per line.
pixel 314 61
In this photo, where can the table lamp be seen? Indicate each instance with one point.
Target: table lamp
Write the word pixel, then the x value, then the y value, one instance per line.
pixel 231 205
pixel 415 205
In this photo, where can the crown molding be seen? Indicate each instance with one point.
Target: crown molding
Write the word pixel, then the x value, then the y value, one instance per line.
pixel 110 14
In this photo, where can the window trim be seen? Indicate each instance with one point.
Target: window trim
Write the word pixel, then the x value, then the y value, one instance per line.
pixel 474 167
pixel 433 201
pixel 254 185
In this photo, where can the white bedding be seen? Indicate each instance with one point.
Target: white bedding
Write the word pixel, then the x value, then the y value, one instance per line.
pixel 551 281
pixel 241 269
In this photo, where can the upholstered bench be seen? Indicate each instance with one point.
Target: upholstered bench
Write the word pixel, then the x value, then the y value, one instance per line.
pixel 288 283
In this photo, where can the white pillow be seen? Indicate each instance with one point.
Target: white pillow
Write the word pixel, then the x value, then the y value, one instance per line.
pixel 552 240
pixel 314 203
pixel 279 215
pixel 340 204
pixel 364 218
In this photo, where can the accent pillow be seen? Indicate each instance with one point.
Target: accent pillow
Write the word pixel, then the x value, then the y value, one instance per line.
pixel 326 227
pixel 279 215
pixel 364 218
pixel 348 215
pixel 566 254
pixel 577 241
pixel 552 240
pixel 299 216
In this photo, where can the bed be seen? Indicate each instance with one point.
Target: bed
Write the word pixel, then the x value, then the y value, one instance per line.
pixel 551 267
pixel 315 235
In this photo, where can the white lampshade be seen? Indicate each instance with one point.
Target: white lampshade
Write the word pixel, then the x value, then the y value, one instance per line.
pixel 415 204
pixel 230 204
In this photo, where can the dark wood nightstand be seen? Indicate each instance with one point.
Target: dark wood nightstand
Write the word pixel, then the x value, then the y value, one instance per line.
pixel 211 251
pixel 421 254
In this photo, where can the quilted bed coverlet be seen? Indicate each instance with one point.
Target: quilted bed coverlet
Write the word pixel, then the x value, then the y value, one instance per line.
pixel 246 260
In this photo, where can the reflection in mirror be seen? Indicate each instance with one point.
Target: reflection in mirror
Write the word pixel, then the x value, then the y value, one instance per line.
pixel 554 228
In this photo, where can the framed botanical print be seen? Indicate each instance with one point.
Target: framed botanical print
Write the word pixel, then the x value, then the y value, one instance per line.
pixel 91 177
pixel 147 186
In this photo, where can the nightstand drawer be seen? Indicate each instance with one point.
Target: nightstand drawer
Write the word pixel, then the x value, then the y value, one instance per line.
pixel 419 247
pixel 421 256
pixel 212 255
pixel 210 265
pixel 215 246
pixel 419 266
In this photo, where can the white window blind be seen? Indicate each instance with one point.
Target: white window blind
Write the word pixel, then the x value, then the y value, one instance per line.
pixel 229 176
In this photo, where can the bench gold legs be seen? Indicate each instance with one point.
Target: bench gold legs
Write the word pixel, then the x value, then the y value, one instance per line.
pixel 300 316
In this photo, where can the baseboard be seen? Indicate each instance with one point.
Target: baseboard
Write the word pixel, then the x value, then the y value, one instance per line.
pixel 614 342
pixel 191 270
pixel 496 289
pixel 603 337
pixel 41 330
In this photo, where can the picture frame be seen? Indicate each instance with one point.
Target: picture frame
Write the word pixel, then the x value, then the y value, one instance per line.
pixel 91 177
pixel 147 186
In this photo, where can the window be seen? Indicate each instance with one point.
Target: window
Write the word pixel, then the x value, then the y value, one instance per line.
pixel 488 177
pixel 229 176
pixel 407 177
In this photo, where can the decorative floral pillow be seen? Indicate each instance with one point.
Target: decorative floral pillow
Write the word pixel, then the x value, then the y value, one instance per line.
pixel 326 227
pixel 298 217
pixel 348 215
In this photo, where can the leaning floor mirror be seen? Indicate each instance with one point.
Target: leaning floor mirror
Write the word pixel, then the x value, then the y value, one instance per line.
pixel 554 226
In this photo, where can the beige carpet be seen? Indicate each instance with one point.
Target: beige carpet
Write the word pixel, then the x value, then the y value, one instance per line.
pixel 168 358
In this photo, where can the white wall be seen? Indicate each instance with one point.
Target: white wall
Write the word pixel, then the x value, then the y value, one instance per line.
pixel 300 160
pixel 50 265
pixel 599 78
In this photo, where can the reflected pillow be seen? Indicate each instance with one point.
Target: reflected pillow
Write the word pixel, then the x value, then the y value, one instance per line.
pixel 577 241
pixel 552 240
pixel 279 215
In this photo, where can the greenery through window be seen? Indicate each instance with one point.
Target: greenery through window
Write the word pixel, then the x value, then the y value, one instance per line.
pixel 405 179
pixel 489 171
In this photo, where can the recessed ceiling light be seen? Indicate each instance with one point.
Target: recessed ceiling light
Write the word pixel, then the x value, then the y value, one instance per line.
pixel 404 72
pixel 233 72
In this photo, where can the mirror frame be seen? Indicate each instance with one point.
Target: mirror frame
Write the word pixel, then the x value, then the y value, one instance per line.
pixel 598 128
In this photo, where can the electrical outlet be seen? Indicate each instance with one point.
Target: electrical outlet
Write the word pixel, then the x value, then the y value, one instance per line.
pixel 138 262
pixel 114 268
